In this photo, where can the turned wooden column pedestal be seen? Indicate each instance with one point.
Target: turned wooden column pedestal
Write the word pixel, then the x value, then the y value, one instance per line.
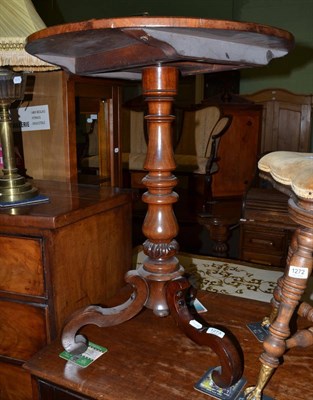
pixel 159 85
pixel 291 173
pixel 220 218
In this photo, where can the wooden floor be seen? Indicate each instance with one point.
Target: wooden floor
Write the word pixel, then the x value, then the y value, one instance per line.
pixel 150 359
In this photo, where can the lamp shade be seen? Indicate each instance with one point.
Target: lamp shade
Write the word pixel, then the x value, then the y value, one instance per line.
pixel 19 19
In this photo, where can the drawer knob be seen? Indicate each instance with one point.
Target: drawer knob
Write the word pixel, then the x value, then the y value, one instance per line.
pixel 262 241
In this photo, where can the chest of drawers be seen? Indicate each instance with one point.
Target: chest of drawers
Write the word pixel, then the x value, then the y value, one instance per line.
pixel 266 228
pixel 56 258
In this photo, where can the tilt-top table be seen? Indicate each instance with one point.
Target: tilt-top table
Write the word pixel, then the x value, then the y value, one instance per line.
pixel 156 50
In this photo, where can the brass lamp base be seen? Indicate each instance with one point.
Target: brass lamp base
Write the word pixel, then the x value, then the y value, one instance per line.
pixel 13 186
pixel 16 188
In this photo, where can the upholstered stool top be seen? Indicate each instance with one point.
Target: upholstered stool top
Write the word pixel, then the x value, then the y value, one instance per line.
pixel 292 169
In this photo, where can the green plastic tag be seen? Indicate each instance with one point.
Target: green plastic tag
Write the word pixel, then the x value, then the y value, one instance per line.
pixel 93 352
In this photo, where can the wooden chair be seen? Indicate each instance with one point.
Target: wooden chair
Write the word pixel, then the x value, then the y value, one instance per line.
pixel 196 153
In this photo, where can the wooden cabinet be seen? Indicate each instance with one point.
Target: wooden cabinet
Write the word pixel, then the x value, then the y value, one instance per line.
pixel 51 154
pixel 266 228
pixel 286 120
pixel 55 258
pixel 238 150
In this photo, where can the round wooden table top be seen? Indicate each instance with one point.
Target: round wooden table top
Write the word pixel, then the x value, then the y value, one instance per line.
pixel 121 47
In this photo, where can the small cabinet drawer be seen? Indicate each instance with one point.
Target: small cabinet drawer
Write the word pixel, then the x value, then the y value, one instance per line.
pixel 264 245
pixel 21 266
pixel 270 241
pixel 22 329
pixel 263 258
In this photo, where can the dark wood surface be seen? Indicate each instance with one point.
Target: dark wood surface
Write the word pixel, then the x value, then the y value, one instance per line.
pixel 149 358
pixel 68 202
pixel 237 167
pixel 56 257
pixel 120 47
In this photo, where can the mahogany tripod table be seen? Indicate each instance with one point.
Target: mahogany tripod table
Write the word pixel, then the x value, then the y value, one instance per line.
pixel 156 50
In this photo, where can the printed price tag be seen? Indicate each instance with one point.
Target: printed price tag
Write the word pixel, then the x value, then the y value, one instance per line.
pixel 216 332
pixel 199 306
pixel 93 352
pixel 298 272
pixel 195 324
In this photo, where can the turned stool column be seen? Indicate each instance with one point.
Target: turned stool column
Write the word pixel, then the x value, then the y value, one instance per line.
pixel 222 217
pixel 291 173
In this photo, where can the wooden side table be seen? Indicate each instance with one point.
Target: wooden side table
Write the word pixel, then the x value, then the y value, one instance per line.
pixel 157 49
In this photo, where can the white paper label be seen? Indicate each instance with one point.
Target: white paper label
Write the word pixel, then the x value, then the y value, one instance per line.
pixel 33 118
pixel 298 272
pixel 216 332
pixel 17 80
pixel 195 324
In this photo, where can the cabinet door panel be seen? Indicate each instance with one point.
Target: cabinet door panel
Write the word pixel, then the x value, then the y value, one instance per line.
pixel 238 152
pixel 22 329
pixel 21 269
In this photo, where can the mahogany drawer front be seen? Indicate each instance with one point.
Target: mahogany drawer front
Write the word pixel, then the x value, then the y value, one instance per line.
pixel 21 265
pixel 269 241
pixel 263 258
pixel 15 383
pixel 22 329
